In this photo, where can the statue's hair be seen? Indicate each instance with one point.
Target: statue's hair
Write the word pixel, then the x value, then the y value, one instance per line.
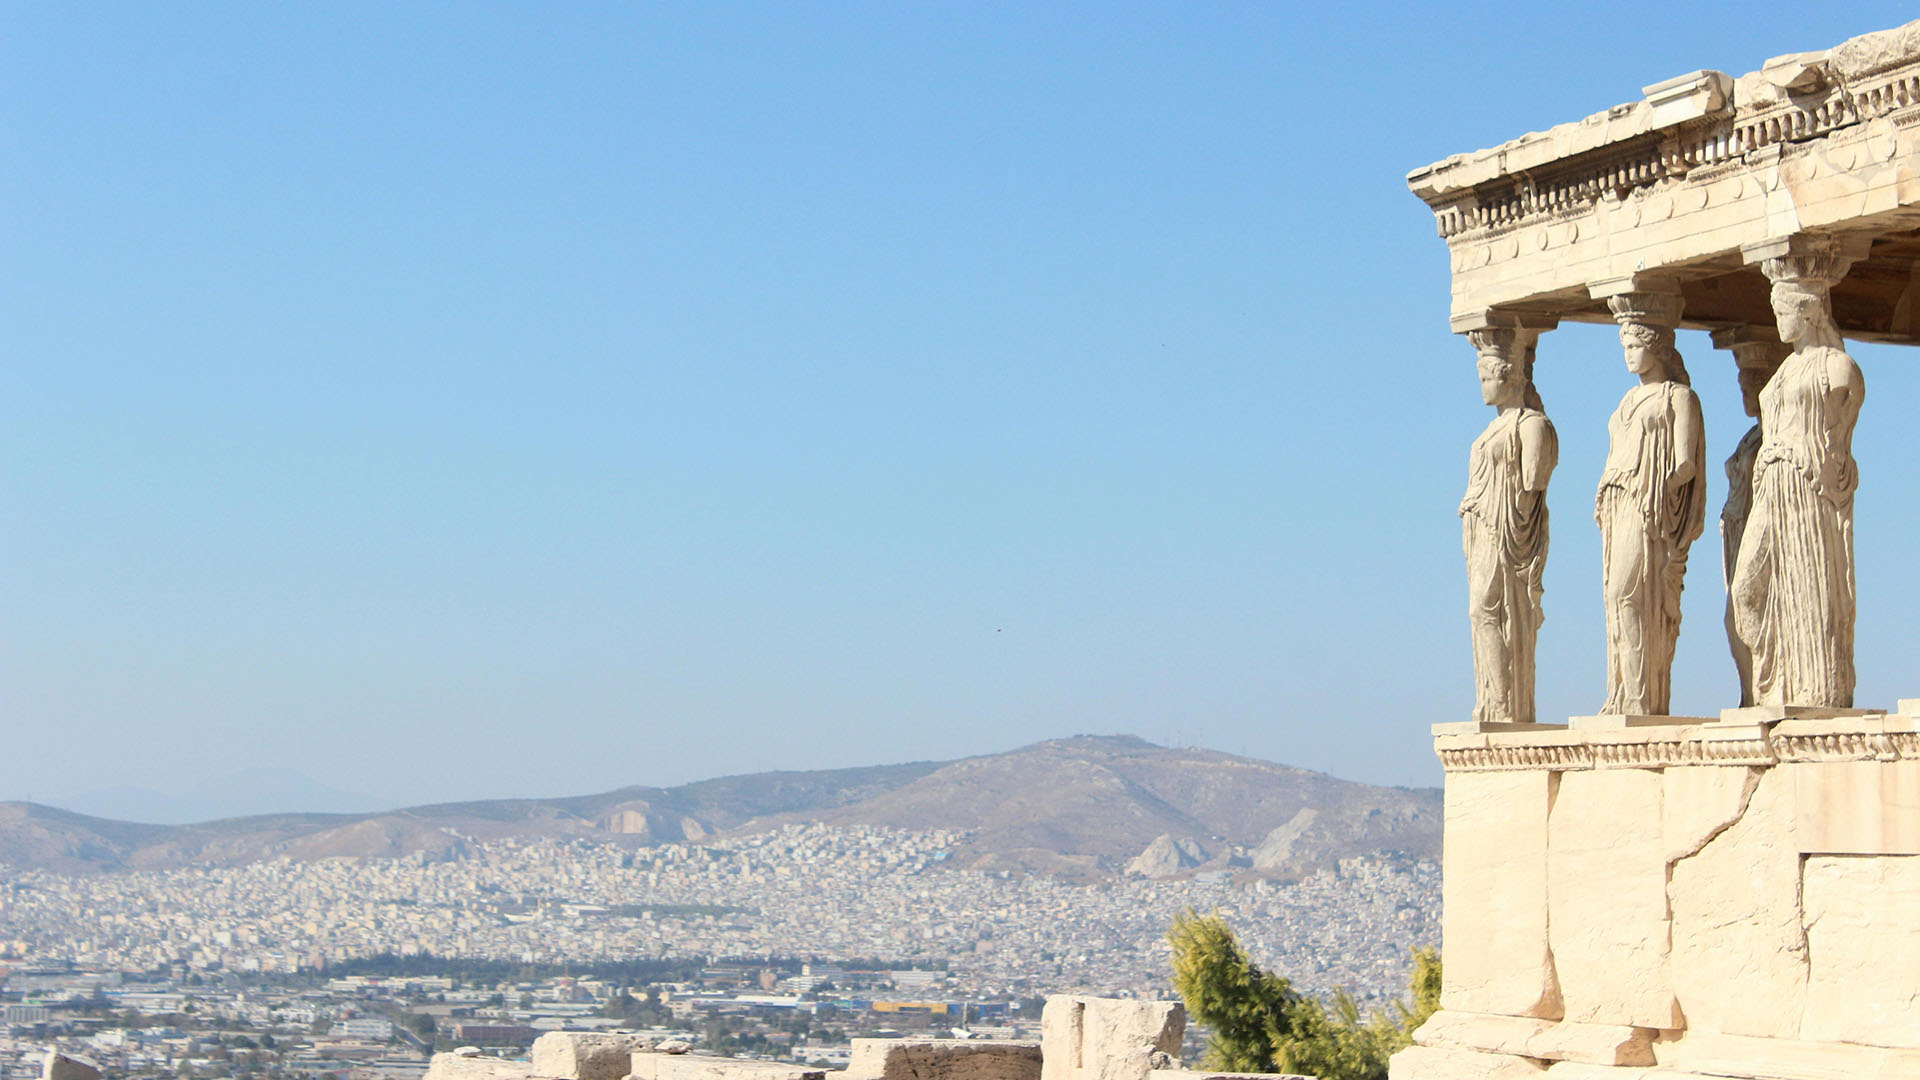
pixel 1531 398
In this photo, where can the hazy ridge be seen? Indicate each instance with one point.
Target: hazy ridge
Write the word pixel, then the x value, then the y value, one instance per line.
pixel 1082 806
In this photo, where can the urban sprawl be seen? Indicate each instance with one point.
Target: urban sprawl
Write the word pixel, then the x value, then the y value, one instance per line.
pixel 780 944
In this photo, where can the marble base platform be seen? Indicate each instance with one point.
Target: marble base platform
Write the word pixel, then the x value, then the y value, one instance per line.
pixel 1673 898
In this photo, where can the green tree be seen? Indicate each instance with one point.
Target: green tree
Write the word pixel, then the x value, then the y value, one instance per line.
pixel 1426 989
pixel 1243 1005
pixel 1261 1024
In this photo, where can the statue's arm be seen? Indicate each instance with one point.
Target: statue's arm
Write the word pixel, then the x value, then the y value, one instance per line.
pixel 1539 452
pixel 1843 378
pixel 1689 438
pixel 1844 383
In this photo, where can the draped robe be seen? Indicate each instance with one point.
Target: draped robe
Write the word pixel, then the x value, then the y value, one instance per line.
pixel 1648 521
pixel 1504 533
pixel 1733 525
pixel 1793 589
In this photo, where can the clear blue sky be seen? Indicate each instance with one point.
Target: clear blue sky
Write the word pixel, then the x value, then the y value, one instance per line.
pixel 466 400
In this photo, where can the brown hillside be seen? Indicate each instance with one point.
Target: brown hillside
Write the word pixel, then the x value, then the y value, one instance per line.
pixel 1080 806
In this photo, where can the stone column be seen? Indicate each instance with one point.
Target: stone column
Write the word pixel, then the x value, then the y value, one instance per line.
pixel 1758 351
pixel 1504 520
pixel 1793 580
pixel 1652 499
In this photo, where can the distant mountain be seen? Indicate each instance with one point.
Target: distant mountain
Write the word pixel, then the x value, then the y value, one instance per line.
pixel 249 793
pixel 1090 804
pixel 38 836
pixel 1087 806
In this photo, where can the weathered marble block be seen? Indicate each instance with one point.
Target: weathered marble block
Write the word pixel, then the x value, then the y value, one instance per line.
pixel 1090 1038
pixel 947 1059
pixel 653 1066
pixel 472 1066
pixel 586 1055
pixel 1607 899
pixel 1494 894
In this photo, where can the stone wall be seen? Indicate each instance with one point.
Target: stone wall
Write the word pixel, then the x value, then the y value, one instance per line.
pixel 1719 899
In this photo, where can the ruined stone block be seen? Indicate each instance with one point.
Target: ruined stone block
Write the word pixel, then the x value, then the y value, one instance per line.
pixel 1451 1030
pixel 1717 1056
pixel 1090 1038
pixel 1210 1075
pixel 1594 1044
pixel 943 1059
pixel 660 1066
pixel 1435 1063
pixel 586 1055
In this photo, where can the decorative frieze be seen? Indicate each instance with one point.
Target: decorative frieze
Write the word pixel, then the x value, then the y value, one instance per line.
pixel 1869 738
pixel 1849 746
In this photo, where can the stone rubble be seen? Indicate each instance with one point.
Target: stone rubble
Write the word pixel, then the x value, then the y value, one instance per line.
pixel 1083 1038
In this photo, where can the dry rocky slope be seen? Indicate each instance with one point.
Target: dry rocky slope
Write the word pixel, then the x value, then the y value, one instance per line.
pixel 1088 806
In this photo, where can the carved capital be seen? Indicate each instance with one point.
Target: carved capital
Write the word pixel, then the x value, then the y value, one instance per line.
pixel 1504 319
pixel 1514 345
pixel 1807 262
pixel 1504 342
pixel 1756 348
pixel 1641 299
pixel 1659 310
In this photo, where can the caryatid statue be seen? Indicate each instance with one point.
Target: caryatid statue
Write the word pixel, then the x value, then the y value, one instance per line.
pixel 1758 352
pixel 1651 505
pixel 1503 521
pixel 1793 584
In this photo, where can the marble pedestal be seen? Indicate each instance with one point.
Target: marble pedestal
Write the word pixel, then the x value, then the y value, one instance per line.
pixel 1700 899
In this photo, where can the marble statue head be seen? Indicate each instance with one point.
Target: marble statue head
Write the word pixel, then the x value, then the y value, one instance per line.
pixel 1650 348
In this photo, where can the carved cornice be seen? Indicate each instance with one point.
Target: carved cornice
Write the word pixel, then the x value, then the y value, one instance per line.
pixel 1560 190
pixel 1570 186
pixel 1772 748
